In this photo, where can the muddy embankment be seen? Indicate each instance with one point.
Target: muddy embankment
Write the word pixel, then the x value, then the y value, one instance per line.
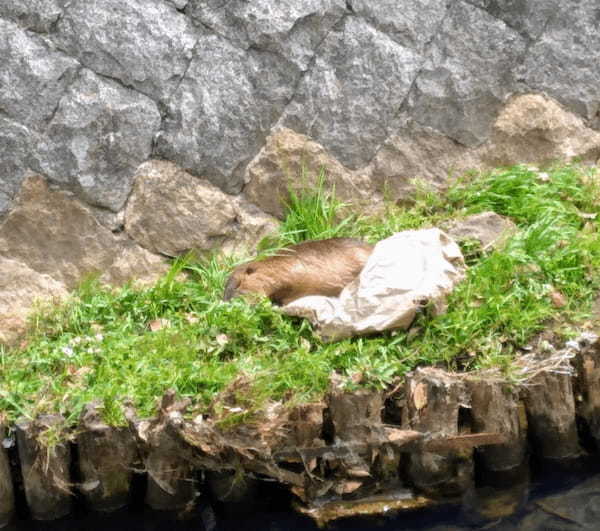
pixel 354 453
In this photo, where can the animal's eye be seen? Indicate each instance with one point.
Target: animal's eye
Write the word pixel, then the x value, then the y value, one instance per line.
pixel 250 270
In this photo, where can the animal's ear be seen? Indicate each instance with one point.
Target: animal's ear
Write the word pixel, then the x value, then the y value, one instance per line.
pixel 250 270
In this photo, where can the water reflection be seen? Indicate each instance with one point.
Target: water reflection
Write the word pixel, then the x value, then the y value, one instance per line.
pixel 554 497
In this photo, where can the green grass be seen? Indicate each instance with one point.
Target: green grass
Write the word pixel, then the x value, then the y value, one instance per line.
pixel 100 344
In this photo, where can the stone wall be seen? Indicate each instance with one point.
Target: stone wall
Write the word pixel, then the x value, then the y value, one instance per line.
pixel 238 96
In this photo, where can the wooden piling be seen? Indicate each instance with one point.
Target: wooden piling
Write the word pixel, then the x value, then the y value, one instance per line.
pixel 45 467
pixel 433 400
pixel 107 457
pixel 7 497
pixel 495 407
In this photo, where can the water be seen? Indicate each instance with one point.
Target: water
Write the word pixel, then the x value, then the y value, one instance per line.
pixel 552 497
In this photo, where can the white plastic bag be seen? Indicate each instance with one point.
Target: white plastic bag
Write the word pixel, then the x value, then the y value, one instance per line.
pixel 404 271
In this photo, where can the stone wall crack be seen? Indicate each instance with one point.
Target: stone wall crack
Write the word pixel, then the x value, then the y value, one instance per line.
pixel 308 69
pixel 523 34
pixel 426 52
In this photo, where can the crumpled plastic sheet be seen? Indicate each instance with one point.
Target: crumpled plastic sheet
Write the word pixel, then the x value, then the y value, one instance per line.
pixel 405 271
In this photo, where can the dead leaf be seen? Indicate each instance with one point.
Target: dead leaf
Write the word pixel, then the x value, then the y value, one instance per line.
pixel 420 396
pixel 558 299
pixel 357 377
pixel 358 473
pixel 585 215
pixel 222 340
pixel 191 318
pixel 350 486
pixel 157 324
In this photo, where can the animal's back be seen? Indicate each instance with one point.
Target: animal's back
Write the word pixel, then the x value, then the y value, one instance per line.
pixel 318 267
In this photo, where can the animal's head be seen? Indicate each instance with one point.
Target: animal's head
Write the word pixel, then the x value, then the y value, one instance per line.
pixel 237 283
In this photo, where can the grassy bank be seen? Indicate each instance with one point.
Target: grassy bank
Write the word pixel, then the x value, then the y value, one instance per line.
pixel 112 344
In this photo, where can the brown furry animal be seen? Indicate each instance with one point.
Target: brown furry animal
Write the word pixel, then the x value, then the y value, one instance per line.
pixel 319 267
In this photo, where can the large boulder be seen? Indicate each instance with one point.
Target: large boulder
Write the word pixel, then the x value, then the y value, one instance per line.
pixel 144 43
pixel 467 76
pixel 15 159
pixel 50 242
pixel 171 212
pixel 530 128
pixel 96 138
pixel 33 76
pixel 291 161
pixel 222 110
pixel 289 28
pixel 20 288
pixel 417 152
pixel 55 235
pixel 348 100
pixel 534 128
pixel 36 15
pixel 562 62
pixel 488 228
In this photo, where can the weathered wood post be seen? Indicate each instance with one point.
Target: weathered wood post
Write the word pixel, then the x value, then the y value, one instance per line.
pixel 7 497
pixel 550 408
pixel 356 417
pixel 433 401
pixel 587 384
pixel 172 485
pixel 107 456
pixel 496 408
pixel 45 466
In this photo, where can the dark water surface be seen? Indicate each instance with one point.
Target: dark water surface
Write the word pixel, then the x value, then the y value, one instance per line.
pixel 552 497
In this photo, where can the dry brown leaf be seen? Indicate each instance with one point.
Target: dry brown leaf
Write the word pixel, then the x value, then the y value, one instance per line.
pixel 558 299
pixel 157 324
pixel 420 396
pixel 350 486
pixel 222 340
pixel 191 318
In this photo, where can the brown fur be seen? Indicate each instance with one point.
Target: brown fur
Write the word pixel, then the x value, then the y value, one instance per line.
pixel 319 267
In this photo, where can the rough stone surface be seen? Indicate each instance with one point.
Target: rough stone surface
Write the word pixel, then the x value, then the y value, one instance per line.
pixel 36 15
pixel 289 28
pixel 144 43
pixel 15 160
pixel 530 128
pixel 222 110
pixel 20 288
pixel 412 23
pixel 467 75
pixel 349 99
pixel 490 229
pixel 534 128
pixel 293 161
pixel 417 152
pixel 171 212
pixel 33 76
pixel 562 62
pixel 57 236
pixel 528 17
pixel 98 136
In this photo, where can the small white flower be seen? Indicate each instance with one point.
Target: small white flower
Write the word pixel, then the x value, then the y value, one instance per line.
pixel 67 351
pixel 99 337
pixel 76 340
pixel 543 176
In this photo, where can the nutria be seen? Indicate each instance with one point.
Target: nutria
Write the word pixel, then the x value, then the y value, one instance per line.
pixel 319 267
